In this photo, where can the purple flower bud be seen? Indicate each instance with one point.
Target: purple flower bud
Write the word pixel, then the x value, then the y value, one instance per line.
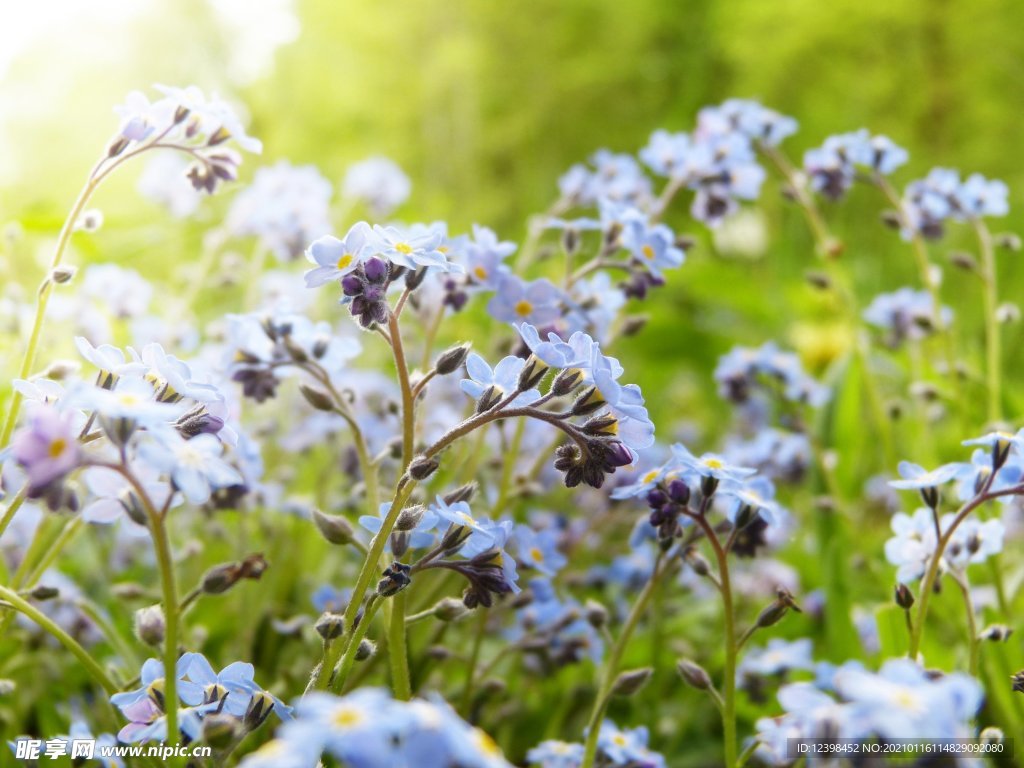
pixel 376 270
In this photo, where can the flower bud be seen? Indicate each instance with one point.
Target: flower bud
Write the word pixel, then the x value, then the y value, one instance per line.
pixel 992 735
pixel 330 625
pixel 694 674
pixel 1008 240
pixel 462 493
pixel 43 592
pixel 150 625
pixel 532 373
pixel 997 633
pixel 61 275
pixel 449 609
pixel 963 261
pixel 566 381
pixel 260 706
pixel 219 730
pixel 422 467
pixel 367 650
pixel 335 528
pixel 597 614
pixel 410 517
pixel 1017 679
pixel 451 359
pixel 630 682
pixel 903 596
pixel 632 325
pixel 316 398
pixel 697 562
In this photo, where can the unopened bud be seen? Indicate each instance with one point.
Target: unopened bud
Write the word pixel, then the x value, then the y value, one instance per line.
pixel 450 609
pixel 330 625
pixel 150 625
pixel 992 735
pixel 532 373
pixel 1008 240
pixel 694 674
pixel 410 517
pixel 43 592
pixel 367 650
pixel 61 275
pixel 630 682
pixel 452 359
pixel 316 398
pixel 819 280
pixel 632 325
pixel 903 596
pixel 597 614
pixel 566 381
pixel 422 467
pixel 997 633
pixel 963 261
pixel 462 493
pixel 335 528
pixel 697 562
pixel 219 730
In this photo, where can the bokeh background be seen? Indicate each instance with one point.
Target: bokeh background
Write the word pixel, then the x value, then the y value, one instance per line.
pixel 484 105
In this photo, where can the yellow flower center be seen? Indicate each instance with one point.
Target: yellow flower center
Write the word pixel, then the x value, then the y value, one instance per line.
pixel 346 717
pixel 403 248
pixel 480 272
pixel 713 463
pixel 649 477
pixel 344 261
pixel 536 554
pixel 486 744
pixel 648 252
pixel 523 307
pixel 619 739
pixel 57 447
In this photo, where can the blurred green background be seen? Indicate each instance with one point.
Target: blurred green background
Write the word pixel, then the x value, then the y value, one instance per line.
pixel 485 104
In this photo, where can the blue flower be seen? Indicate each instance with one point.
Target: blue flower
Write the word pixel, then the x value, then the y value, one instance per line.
pixel 234 686
pixel 515 301
pixel 918 478
pixel 459 514
pixel 777 657
pixel 336 258
pixel 152 688
pixel 653 246
pixel 979 197
pixel 412 250
pixel 633 427
pixel 556 754
pixel 577 352
pixel 420 537
pixel 195 466
pixel 539 549
pixel 627 747
pixel 667 154
pixel 911 549
pixel 756 494
pixel 497 383
pixel 709 465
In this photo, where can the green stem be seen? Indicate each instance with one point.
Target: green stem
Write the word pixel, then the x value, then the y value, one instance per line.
pixel 474 659
pixel 397 651
pixel 611 669
pixel 993 354
pixel 353 644
pixel 928 584
pixel 43 298
pixel 170 599
pixel 973 641
pixel 91 665
pixel 12 508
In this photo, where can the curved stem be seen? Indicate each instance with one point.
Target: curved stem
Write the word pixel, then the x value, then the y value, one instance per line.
pixel 611 669
pixel 353 645
pixel 43 298
pixel 29 610
pixel 12 508
pixel 928 584
pixel 731 646
pixel 973 641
